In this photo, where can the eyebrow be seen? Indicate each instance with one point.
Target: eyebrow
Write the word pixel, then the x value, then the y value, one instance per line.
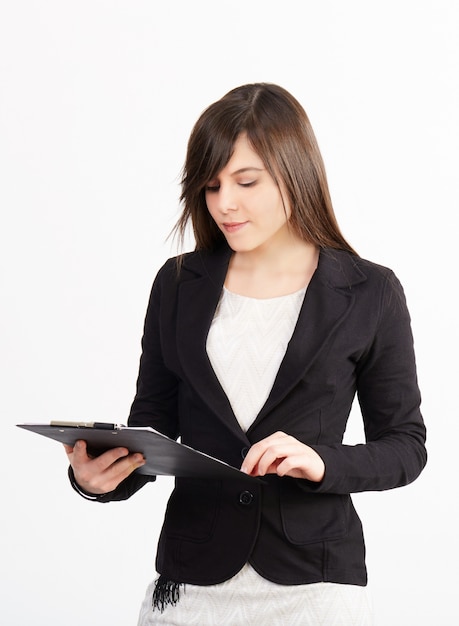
pixel 242 170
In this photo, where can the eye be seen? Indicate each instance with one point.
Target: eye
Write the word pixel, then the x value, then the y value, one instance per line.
pixel 212 187
pixel 248 184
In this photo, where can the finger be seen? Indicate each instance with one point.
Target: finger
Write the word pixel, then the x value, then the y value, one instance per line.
pixel 76 454
pixel 263 464
pixel 129 464
pixel 271 459
pixel 279 449
pixel 303 464
pixel 110 457
pixel 68 450
pixel 119 471
pixel 249 465
pixel 291 466
pixel 104 460
pixel 80 450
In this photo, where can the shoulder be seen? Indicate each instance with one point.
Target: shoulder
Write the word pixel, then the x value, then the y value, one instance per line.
pixel 370 268
pixel 344 269
pixel 373 284
pixel 381 276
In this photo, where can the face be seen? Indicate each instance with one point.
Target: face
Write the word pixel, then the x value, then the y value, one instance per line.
pixel 246 203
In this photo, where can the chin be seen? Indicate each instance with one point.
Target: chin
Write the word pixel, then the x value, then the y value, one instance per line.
pixel 240 247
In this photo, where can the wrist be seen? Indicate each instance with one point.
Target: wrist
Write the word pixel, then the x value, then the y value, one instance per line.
pixel 81 491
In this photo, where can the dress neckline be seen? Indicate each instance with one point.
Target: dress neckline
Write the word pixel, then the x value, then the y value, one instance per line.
pixel 287 295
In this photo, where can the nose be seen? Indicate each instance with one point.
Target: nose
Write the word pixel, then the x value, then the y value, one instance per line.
pixel 226 199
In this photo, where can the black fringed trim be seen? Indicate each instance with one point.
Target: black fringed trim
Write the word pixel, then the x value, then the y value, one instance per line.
pixel 166 592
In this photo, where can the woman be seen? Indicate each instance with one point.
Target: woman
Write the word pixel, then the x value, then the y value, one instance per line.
pixel 254 347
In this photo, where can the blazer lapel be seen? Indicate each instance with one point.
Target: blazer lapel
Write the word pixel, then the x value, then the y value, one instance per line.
pixel 327 303
pixel 198 298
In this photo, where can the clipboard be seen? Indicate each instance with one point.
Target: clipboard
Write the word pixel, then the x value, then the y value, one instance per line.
pixel 164 456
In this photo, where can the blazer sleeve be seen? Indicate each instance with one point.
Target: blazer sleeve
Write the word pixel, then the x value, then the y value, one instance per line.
pixel 394 453
pixel 155 402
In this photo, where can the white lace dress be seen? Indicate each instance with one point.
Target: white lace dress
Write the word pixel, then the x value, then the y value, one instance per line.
pixel 246 344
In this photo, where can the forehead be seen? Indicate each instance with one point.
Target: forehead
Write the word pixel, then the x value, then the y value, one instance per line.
pixel 243 156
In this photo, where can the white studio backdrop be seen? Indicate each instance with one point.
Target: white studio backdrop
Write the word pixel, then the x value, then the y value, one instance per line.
pixel 97 99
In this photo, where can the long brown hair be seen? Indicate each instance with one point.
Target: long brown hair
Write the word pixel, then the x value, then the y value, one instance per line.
pixel 279 131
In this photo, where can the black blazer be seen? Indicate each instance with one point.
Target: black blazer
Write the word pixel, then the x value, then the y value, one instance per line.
pixel 353 336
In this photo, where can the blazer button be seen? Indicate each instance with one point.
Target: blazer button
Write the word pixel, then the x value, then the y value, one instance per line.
pixel 245 498
pixel 244 452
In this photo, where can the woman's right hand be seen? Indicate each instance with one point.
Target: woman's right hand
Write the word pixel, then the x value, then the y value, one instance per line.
pixel 103 473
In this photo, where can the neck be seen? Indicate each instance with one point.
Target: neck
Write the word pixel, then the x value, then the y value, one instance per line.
pixel 283 255
pixel 272 271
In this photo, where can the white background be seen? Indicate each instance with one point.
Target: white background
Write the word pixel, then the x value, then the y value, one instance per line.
pixel 97 99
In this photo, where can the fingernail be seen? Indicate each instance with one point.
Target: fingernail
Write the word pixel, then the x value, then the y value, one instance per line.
pixel 244 469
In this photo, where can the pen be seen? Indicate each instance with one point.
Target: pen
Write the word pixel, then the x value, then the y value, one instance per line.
pixel 100 425
pixel 105 426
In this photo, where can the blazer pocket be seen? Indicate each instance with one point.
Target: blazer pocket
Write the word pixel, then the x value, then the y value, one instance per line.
pixel 312 517
pixel 192 509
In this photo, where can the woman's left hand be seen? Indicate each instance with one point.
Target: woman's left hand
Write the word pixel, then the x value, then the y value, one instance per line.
pixel 284 455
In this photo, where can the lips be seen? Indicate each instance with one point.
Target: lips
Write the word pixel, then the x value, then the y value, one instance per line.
pixel 232 227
